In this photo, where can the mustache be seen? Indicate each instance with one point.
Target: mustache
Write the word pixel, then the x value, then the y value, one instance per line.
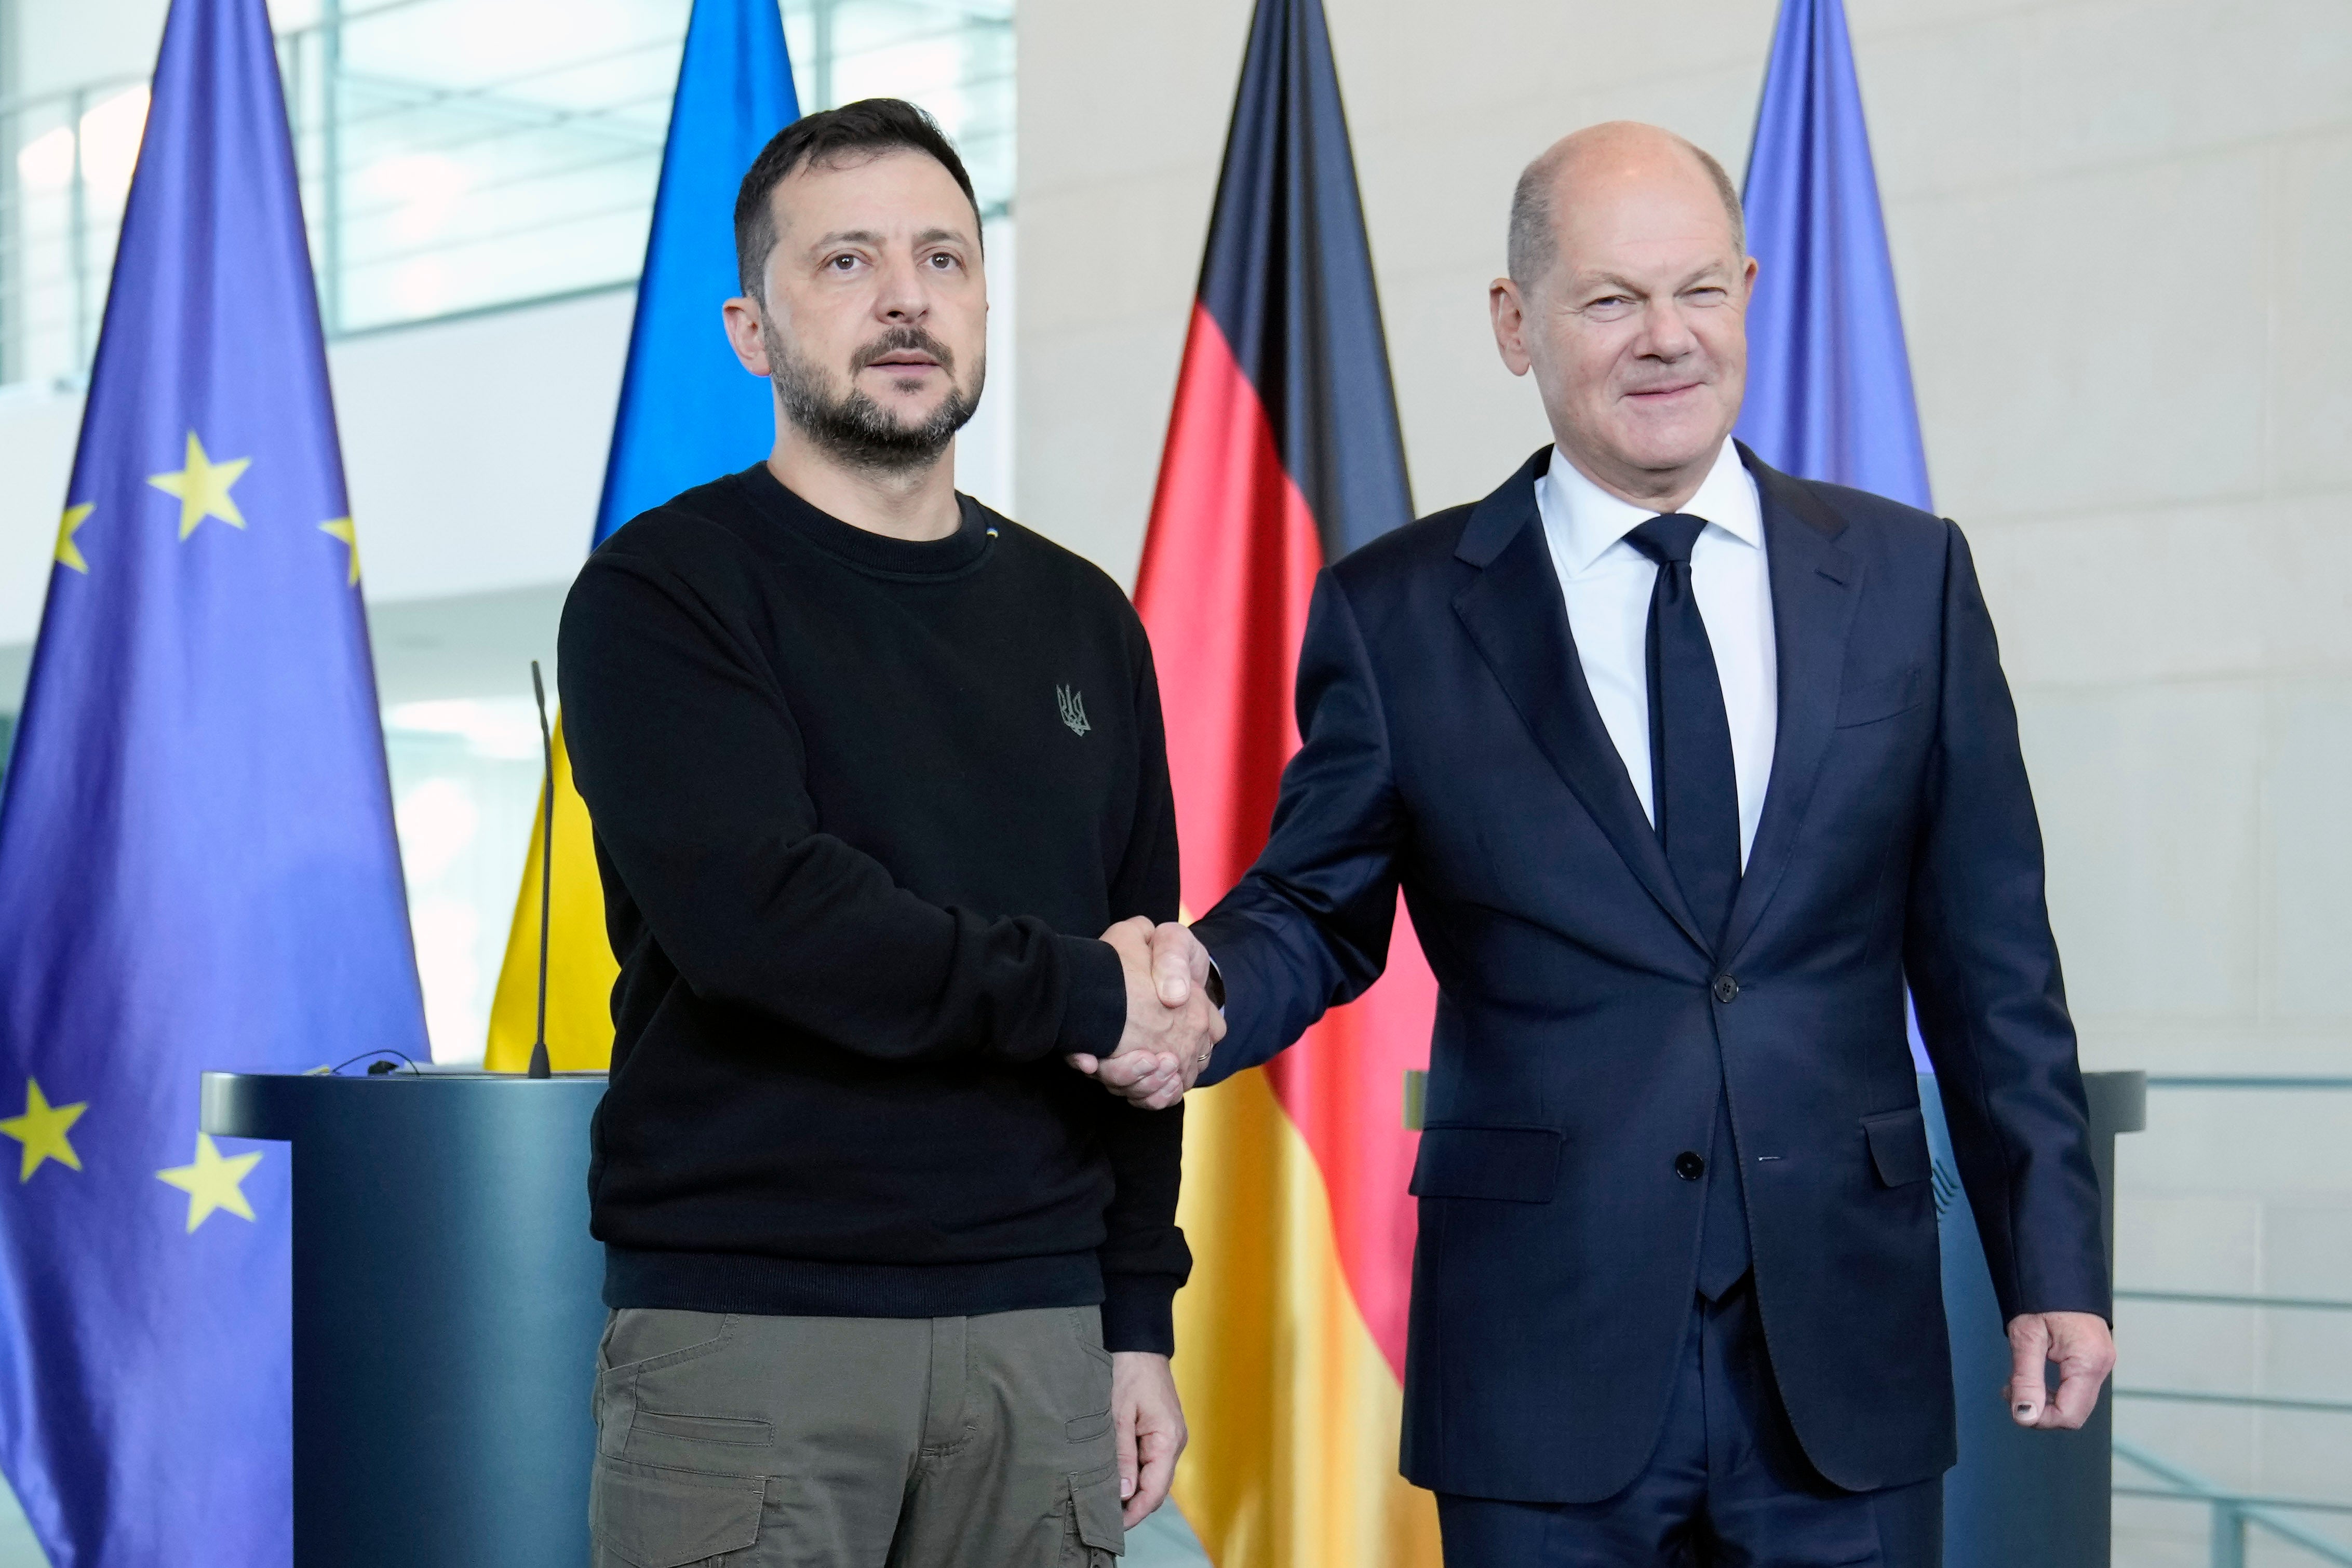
pixel 899 340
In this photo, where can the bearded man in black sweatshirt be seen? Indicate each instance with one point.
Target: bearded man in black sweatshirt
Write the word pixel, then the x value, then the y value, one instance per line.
pixel 868 764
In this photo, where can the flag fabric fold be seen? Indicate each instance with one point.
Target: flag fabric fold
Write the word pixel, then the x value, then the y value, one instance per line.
pixel 687 413
pixel 1829 379
pixel 1283 453
pixel 197 861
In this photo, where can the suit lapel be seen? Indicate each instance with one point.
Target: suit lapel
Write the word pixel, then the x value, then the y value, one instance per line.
pixel 1815 589
pixel 1515 616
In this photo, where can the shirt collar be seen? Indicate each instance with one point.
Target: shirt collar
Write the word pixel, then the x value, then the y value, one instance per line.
pixel 1587 519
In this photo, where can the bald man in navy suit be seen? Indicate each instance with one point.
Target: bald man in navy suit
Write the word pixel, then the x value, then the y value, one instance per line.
pixel 1686 768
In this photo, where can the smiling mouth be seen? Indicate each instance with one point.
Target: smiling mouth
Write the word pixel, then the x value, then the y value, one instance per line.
pixel 1675 391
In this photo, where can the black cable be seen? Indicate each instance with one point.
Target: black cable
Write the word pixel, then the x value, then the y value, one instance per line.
pixel 379 1066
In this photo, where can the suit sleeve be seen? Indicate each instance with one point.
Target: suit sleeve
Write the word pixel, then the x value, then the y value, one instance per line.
pixel 693 771
pixel 1307 928
pixel 1983 969
pixel 1144 1259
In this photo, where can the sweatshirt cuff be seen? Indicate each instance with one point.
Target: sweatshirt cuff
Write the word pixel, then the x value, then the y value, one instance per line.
pixel 1094 1002
pixel 1138 1313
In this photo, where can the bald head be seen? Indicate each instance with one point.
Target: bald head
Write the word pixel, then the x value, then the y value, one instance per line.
pixel 1600 160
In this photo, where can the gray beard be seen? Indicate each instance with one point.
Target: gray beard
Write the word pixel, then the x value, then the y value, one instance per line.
pixel 854 429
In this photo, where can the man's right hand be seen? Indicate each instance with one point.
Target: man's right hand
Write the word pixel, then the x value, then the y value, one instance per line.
pixel 1171 1025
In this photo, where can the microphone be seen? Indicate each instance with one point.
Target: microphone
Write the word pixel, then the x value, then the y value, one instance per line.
pixel 546 868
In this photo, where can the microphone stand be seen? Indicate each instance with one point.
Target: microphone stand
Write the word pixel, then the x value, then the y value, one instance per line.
pixel 539 1067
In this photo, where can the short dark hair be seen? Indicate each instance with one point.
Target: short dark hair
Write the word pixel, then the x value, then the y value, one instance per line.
pixel 870 127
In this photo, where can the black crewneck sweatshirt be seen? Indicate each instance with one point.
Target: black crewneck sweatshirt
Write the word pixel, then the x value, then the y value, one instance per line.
pixel 862 806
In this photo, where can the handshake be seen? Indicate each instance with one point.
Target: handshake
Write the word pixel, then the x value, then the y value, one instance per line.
pixel 1172 1022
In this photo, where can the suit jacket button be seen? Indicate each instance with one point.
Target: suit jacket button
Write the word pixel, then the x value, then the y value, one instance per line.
pixel 1689 1166
pixel 1727 989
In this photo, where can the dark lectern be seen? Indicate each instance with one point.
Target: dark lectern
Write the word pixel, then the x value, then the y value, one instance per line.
pixel 2019 1499
pixel 445 1311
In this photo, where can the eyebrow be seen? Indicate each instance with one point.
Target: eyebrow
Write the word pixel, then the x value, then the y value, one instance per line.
pixel 870 236
pixel 1615 280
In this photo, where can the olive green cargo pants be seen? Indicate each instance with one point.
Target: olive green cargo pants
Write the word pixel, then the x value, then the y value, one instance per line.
pixel 741 1441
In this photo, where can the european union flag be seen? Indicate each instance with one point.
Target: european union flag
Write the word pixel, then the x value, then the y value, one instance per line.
pixel 688 413
pixel 197 865
pixel 1829 384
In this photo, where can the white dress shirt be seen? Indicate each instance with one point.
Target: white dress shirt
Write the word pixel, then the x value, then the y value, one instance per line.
pixel 1607 583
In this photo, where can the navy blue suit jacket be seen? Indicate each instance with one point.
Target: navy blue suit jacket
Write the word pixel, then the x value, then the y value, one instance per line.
pixel 1584 1023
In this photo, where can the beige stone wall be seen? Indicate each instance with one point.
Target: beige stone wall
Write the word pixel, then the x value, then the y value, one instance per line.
pixel 2122 231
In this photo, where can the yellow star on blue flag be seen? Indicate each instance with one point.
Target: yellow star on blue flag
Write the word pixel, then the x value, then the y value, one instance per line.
pixel 69 553
pixel 202 487
pixel 42 1130
pixel 346 530
pixel 212 1182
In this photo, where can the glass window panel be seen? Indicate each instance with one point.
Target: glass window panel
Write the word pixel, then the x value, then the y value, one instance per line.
pixel 464 155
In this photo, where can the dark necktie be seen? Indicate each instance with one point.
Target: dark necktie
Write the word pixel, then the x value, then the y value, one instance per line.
pixel 1695 798
pixel 1693 793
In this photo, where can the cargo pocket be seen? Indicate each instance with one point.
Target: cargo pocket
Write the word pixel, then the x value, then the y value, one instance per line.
pixel 735 1431
pixel 650 1517
pixel 1090 1388
pixel 1093 1535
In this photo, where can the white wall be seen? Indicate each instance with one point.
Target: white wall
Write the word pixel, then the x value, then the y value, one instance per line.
pixel 475 449
pixel 2120 228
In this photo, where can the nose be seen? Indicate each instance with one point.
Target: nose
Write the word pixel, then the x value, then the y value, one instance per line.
pixel 902 298
pixel 1666 331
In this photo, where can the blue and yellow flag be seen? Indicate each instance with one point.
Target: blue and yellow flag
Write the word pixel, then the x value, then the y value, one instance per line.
pixel 688 414
pixel 197 865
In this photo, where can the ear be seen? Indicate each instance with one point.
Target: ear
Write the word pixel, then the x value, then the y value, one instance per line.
pixel 1510 310
pixel 743 316
pixel 1747 282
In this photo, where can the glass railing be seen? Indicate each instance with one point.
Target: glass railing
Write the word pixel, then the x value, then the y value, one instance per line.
pixel 2233 1415
pixel 458 155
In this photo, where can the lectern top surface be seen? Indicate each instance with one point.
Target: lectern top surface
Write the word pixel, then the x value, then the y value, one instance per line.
pixel 274 1104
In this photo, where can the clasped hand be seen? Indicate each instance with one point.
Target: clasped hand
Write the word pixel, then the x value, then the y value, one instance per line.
pixel 1171 1026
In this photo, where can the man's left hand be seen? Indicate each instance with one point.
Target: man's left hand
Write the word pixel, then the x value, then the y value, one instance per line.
pixel 1149 1423
pixel 2085 1353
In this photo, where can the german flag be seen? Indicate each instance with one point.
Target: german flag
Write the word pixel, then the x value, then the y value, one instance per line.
pixel 1283 453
